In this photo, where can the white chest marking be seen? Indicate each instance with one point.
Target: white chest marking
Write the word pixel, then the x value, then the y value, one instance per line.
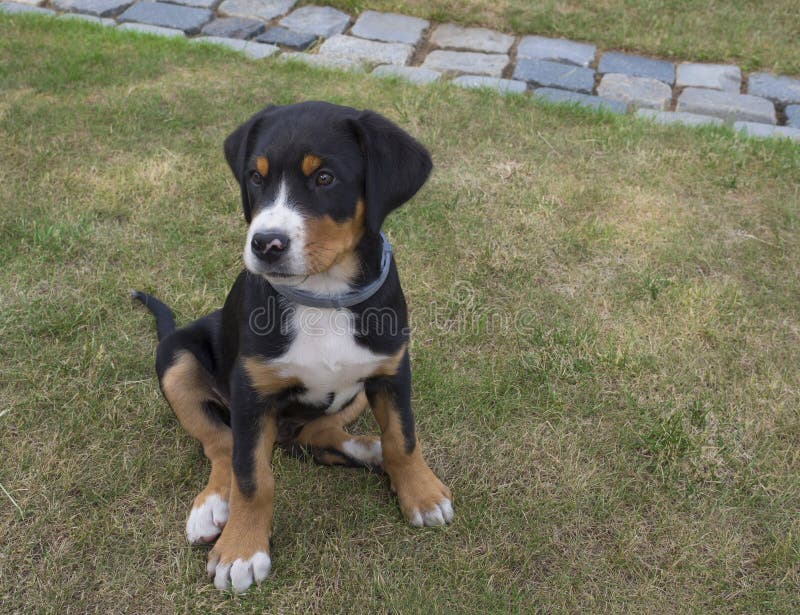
pixel 325 357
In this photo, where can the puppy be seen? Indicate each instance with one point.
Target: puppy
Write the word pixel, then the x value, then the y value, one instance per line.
pixel 313 330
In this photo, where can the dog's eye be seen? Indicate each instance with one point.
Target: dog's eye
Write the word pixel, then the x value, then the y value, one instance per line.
pixel 256 178
pixel 324 179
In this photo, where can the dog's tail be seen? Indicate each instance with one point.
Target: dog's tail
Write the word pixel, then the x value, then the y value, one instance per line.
pixel 165 320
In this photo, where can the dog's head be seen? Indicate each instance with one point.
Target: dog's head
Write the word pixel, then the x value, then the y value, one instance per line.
pixel 315 178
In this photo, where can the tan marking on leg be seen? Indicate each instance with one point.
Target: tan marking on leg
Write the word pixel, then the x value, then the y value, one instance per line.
pixel 327 432
pixel 250 518
pixel 310 164
pixel 265 378
pixel 418 490
pixel 329 242
pixel 344 417
pixel 328 458
pixel 187 386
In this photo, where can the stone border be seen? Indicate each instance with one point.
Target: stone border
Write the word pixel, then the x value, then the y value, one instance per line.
pixel 557 70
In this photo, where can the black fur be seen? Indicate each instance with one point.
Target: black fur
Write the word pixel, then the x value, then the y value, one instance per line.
pixel 397 166
pixel 165 320
pixel 236 150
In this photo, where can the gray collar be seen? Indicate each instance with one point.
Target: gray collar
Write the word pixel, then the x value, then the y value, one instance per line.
pixel 347 299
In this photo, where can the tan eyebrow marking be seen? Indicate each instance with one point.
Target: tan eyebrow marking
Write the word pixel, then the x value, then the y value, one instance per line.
pixel 262 166
pixel 310 164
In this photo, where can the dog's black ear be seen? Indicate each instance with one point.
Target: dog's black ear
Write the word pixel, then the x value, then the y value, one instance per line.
pixel 396 166
pixel 237 148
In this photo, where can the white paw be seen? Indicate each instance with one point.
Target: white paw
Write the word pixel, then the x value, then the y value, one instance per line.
pixel 371 455
pixel 438 515
pixel 206 521
pixel 242 573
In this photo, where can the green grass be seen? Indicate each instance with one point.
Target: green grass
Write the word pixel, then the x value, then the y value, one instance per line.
pixel 606 347
pixel 756 34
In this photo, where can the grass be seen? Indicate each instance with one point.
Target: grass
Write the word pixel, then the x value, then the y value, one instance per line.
pixel 756 34
pixel 605 348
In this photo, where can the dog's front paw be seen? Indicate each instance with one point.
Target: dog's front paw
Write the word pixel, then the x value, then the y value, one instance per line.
pixel 423 498
pixel 207 518
pixel 241 572
pixel 237 562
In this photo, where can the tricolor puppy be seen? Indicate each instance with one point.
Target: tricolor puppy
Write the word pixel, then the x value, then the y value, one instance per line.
pixel 313 330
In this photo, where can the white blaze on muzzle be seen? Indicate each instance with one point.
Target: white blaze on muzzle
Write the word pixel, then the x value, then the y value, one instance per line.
pixel 279 216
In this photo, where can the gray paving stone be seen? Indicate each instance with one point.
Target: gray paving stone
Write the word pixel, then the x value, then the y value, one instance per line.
pixel 753 129
pixel 12 8
pixel 148 29
pixel 555 74
pixel 491 64
pixel 101 8
pixel 103 21
pixel 236 44
pixel 414 74
pixel 190 20
pixel 555 50
pixel 727 105
pixel 256 9
pixel 288 38
pixel 504 86
pixel 635 91
pixel 793 116
pixel 584 100
pixel 637 66
pixel 203 4
pixel 323 61
pixel 715 76
pixel 678 117
pixel 258 51
pixel 784 90
pixel 234 27
pixel 362 50
pixel 389 27
pixel 473 39
pixel 251 49
pixel 319 20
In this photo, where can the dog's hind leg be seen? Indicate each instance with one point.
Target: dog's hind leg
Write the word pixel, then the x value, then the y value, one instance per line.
pixel 330 444
pixel 188 389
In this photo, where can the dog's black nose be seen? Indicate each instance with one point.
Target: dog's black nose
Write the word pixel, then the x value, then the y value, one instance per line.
pixel 269 245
